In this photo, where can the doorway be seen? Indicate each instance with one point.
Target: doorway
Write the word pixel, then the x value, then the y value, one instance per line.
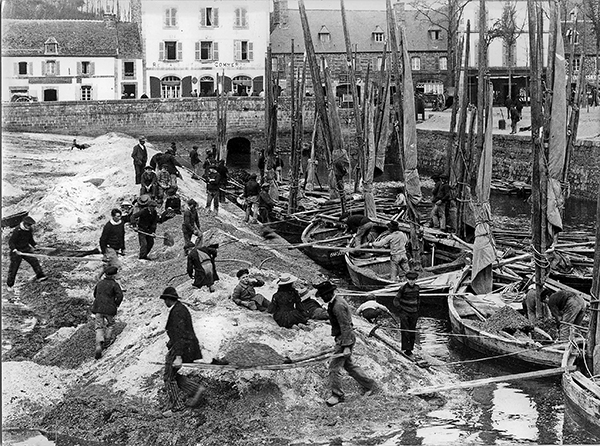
pixel 50 94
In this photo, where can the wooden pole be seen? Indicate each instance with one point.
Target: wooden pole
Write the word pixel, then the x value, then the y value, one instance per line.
pixel 293 191
pixel 594 332
pixel 481 92
pixel 396 69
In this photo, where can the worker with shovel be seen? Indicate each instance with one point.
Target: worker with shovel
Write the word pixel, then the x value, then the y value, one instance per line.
pixel 21 240
pixel 343 331
pixel 147 220
pixel 108 295
pixel 112 240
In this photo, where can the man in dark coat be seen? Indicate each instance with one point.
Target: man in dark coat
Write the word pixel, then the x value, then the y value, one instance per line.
pixel 195 162
pixel 191 223
pixel 183 347
pixel 265 204
pixel 108 295
pixel 147 221
pixel 224 173
pixel 170 162
pixel 112 240
pixel 201 264
pixel 22 240
pixel 441 198
pixel 213 184
pixel 343 332
pixel 568 309
pixel 149 183
pixel 140 156
pixel 210 161
pixel 407 302
pixel 360 225
pixel 251 193
pixel 261 165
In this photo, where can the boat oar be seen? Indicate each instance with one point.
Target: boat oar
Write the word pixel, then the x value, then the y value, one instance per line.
pixel 167 238
pixel 46 256
pixel 496 379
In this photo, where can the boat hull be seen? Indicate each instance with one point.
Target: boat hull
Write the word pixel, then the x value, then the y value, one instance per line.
pixel 330 259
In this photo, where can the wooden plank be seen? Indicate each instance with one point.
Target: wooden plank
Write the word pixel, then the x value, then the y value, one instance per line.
pixel 44 256
pixel 586 383
pixel 496 379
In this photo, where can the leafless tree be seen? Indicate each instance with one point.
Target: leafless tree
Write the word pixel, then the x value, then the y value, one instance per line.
pixel 447 15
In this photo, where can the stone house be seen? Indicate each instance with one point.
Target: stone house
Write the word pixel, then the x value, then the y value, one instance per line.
pixel 70 60
pixel 188 44
pixel 427 45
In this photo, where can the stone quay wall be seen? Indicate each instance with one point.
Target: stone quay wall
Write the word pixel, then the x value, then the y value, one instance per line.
pixel 196 118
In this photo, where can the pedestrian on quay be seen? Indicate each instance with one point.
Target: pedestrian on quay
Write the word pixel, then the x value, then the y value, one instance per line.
pixel 568 309
pixel 112 241
pixel 191 222
pixel 251 193
pixel 224 173
pixel 361 226
pixel 213 184
pixel 22 240
pixel 195 162
pixel 183 347
pixel 147 221
pixel 149 183
pixel 407 302
pixel 140 157
pixel 396 240
pixel 342 330
pixel 286 302
pixel 440 199
pixel 108 295
pixel 201 265
pixel 245 295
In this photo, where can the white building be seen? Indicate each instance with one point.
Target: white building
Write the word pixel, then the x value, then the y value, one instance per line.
pixel 70 60
pixel 189 43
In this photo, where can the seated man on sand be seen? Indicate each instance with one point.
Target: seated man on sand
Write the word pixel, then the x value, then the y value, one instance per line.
pixel 244 294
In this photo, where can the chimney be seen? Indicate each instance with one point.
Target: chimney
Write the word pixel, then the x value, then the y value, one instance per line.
pixel 280 14
pixel 399 12
pixel 135 7
pixel 110 20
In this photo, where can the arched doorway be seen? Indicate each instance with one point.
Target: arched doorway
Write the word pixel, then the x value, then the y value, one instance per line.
pixel 170 87
pixel 239 154
pixel 257 85
pixel 207 86
pixel 242 85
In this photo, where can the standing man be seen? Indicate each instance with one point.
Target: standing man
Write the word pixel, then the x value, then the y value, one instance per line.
pixel 396 240
pixel 343 332
pixel 147 221
pixel 170 163
pixel 407 301
pixel 140 156
pixel 265 204
pixel 279 167
pixel 201 264
pixel 183 347
pixel 195 162
pixel 251 193
pixel 440 199
pixel 210 161
pixel 224 173
pixel 112 241
pixel 22 240
pixel 568 309
pixel 108 295
pixel 213 184
pixel 261 165
pixel 191 223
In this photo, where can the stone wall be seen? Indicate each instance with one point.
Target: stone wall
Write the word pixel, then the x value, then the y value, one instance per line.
pixel 196 118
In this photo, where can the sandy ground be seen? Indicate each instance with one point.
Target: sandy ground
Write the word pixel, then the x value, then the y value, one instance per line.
pixel 52 382
pixel 589 122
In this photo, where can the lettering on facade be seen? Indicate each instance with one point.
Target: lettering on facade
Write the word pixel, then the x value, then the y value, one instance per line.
pixel 50 80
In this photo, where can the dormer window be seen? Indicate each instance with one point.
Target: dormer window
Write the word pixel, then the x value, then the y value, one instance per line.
pixel 324 34
pixel 572 37
pixel 378 35
pixel 51 46
pixel 435 34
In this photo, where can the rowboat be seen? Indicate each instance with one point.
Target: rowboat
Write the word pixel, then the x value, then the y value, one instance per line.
pixel 467 313
pixel 325 254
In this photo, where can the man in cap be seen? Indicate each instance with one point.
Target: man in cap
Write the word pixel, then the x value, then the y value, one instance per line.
pixel 147 221
pixel 265 204
pixel 112 240
pixel 213 184
pixel 140 156
pixel 407 302
pixel 568 309
pixel 21 240
pixel 108 295
pixel 201 267
pixel 245 295
pixel 251 193
pixel 191 222
pixel 210 161
pixel 440 199
pixel 149 183
pixel 195 162
pixel 396 240
pixel 169 162
pixel 343 332
pixel 309 306
pixel 173 201
pixel 183 347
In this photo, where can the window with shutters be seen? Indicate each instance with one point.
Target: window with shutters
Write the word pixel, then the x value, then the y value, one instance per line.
pixel 51 46
pixel 435 34
pixel 170 50
pixel 207 50
pixel 378 37
pixel 86 92
pixel 576 63
pixel 23 68
pixel 415 63
pixel 51 68
pixel 572 37
pixel 129 69
pixel 86 68
pixel 324 34
pixel 171 18
pixel 170 87
pixel 275 64
pixel 243 50
pixel 443 63
pixel 241 18
pixel 379 62
pixel 209 17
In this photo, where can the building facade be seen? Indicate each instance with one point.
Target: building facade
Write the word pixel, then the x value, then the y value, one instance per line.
pixel 70 60
pixel 189 44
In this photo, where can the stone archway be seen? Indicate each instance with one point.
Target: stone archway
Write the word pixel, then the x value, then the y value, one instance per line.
pixel 239 153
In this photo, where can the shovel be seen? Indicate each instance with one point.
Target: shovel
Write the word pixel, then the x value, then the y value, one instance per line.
pixel 46 256
pixel 167 238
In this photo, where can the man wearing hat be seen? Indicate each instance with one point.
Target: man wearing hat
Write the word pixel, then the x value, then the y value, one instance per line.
pixel 245 295
pixel 213 184
pixel 112 240
pixel 191 223
pixel 147 221
pixel 286 302
pixel 210 161
pixel 183 347
pixel 396 240
pixel 251 193
pixel 343 332
pixel 169 162
pixel 140 156
pixel 108 295
pixel 265 203
pixel 201 265
pixel 195 162
pixel 440 199
pixel 310 307
pixel 22 240
pixel 407 302
pixel 149 182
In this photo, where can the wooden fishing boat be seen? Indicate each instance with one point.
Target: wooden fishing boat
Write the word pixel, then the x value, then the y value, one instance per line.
pixel 329 254
pixel 12 221
pixel 467 313
pixel 582 393
pixel 518 188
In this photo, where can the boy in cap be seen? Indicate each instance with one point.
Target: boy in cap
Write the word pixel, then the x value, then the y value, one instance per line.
pixel 343 332
pixel 407 301
pixel 108 295
pixel 173 201
pixel 112 240
pixel 140 156
pixel 396 240
pixel 149 182
pixel 245 295
pixel 183 347
pixel 21 240
pixel 213 183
